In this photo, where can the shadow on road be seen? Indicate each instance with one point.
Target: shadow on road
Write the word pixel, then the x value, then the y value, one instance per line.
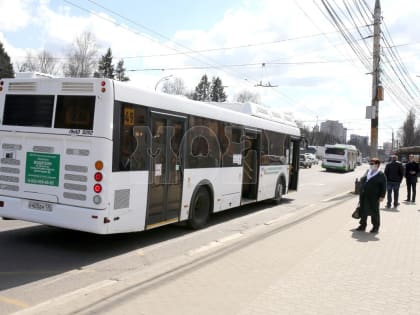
pixel 364 236
pixel 33 253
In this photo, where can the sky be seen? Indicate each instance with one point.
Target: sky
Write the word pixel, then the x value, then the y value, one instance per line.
pixel 290 44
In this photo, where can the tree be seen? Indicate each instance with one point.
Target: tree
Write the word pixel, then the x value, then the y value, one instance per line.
pixel 6 67
pixel 43 62
pixel 176 86
pixel 417 135
pixel 202 90
pixel 105 66
pixel 217 90
pixel 408 130
pixel 82 57
pixel 120 72
pixel 247 96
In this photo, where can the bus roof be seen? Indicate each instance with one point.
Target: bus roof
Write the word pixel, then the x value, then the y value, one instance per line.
pixel 341 146
pixel 181 104
pixel 125 92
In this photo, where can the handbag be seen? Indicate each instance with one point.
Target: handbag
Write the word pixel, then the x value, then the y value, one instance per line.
pixel 356 213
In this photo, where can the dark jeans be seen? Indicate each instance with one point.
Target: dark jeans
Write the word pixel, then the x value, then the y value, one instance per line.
pixel 411 186
pixel 392 187
pixel 376 221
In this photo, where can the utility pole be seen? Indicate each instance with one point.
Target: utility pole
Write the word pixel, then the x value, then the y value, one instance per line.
pixel 377 90
pixel 392 140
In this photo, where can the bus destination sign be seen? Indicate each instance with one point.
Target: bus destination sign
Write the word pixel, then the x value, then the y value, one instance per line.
pixel 42 169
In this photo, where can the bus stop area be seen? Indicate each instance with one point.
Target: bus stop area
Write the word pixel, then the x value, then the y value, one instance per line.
pixel 311 262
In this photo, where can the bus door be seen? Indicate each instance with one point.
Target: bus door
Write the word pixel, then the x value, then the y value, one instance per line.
pixel 166 170
pixel 250 158
pixel 294 151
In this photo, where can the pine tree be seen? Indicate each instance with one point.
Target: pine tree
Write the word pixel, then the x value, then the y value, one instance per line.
pixel 105 66
pixel 202 90
pixel 120 72
pixel 6 67
pixel 217 90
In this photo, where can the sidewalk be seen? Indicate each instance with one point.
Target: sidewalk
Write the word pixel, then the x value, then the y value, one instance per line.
pixel 317 266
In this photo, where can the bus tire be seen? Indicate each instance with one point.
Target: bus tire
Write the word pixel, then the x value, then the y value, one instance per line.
pixel 278 194
pixel 200 209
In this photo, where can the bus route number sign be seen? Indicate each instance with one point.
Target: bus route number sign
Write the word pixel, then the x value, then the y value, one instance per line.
pixel 128 117
pixel 42 169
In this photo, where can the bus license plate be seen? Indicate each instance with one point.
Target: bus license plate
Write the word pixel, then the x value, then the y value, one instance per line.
pixel 42 206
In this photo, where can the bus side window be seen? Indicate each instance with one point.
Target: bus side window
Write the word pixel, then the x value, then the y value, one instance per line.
pixel 231 145
pixel 203 149
pixel 133 138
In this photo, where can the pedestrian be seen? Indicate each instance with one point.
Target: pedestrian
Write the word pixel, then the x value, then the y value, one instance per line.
pixel 372 192
pixel 411 173
pixel 394 172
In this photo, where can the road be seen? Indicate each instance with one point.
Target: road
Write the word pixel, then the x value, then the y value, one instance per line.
pixel 39 262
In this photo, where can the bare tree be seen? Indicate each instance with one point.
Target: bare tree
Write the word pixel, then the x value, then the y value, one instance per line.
pixel 82 57
pixel 417 135
pixel 248 96
pixel 408 130
pixel 29 65
pixel 44 62
pixel 47 62
pixel 176 86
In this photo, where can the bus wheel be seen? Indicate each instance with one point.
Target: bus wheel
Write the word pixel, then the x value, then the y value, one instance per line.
pixel 278 196
pixel 200 209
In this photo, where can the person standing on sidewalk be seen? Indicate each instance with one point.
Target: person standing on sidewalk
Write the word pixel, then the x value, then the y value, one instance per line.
pixel 394 172
pixel 372 192
pixel 411 171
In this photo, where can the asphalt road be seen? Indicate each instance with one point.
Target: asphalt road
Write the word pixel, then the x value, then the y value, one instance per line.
pixel 40 262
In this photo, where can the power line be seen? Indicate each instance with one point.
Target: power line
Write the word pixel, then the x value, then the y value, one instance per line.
pixel 406 89
pixel 257 64
pixel 213 64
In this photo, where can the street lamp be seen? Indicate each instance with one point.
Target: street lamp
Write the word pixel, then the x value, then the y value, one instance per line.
pixel 163 79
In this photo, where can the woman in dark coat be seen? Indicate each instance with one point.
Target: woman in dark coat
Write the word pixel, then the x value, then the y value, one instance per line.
pixel 372 192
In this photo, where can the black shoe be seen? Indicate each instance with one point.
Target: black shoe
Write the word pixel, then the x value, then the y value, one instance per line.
pixel 396 205
pixel 361 228
pixel 407 200
pixel 374 231
pixel 388 206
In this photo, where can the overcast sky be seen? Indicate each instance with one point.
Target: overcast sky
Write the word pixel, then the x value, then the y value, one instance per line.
pixel 289 43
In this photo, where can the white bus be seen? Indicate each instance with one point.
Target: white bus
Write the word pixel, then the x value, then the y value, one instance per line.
pixel 101 156
pixel 342 157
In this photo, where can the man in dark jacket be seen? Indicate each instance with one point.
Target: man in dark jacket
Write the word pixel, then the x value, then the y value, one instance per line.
pixel 372 192
pixel 394 173
pixel 411 171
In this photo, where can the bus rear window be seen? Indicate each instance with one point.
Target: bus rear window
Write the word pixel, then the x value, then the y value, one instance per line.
pixel 28 110
pixel 75 112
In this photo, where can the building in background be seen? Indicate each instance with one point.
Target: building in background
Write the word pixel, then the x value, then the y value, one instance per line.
pixel 334 127
pixel 361 143
pixel 387 146
pixel 364 140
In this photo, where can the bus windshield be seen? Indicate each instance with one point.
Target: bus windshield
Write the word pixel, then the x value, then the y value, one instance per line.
pixel 336 151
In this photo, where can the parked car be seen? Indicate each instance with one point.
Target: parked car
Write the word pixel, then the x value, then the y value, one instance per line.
pixel 312 158
pixel 304 161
